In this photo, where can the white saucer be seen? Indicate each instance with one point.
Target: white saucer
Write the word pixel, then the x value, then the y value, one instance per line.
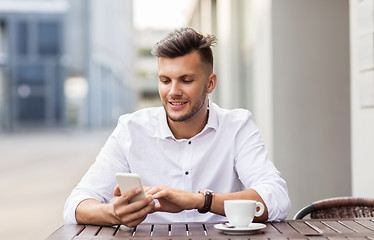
pixel 251 229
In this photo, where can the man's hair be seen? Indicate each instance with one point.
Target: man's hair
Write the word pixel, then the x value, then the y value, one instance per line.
pixel 184 41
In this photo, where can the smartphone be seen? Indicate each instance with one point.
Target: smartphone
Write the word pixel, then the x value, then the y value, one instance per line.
pixel 128 181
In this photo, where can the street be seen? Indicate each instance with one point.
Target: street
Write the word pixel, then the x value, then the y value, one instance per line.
pixel 38 170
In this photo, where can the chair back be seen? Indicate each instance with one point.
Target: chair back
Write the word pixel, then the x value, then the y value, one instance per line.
pixel 340 207
pixel 343 207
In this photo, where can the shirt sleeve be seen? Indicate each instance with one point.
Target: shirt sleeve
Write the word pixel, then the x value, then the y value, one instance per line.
pixel 99 181
pixel 257 172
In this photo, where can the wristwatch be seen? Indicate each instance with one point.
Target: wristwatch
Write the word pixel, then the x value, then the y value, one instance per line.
pixel 208 200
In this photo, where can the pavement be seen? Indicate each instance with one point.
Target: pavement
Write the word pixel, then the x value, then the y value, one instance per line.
pixel 38 170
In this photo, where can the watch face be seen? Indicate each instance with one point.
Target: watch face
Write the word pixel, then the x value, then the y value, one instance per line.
pixel 205 190
pixel 209 191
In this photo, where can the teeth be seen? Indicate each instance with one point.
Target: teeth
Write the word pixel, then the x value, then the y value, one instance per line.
pixel 177 103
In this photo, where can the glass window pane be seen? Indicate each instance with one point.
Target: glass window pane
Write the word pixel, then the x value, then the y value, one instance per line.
pixel 22 38
pixel 31 74
pixel 48 38
pixel 32 108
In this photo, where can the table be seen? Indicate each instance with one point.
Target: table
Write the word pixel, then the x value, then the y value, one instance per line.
pixel 333 229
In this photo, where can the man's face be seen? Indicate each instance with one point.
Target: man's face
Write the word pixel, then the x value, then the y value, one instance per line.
pixel 184 83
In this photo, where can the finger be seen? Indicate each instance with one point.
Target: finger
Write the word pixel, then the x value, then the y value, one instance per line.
pixel 152 205
pixel 121 203
pixel 153 190
pixel 138 205
pixel 123 209
pixel 127 196
pixel 157 190
pixel 117 191
pixel 157 207
pixel 162 194
pixel 147 190
pixel 140 214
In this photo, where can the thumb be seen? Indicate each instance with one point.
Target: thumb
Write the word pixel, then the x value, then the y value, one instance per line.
pixel 117 191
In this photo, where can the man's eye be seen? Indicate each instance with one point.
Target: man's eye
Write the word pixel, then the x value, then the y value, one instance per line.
pixel 188 80
pixel 164 80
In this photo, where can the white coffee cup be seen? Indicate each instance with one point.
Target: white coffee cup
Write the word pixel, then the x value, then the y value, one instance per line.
pixel 240 213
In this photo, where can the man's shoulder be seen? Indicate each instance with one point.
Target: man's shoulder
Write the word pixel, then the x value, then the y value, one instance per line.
pixel 236 122
pixel 142 116
pixel 232 115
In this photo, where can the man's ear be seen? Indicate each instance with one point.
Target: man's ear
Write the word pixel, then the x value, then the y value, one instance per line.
pixel 212 83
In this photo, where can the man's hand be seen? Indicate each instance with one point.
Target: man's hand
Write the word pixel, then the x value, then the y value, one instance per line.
pixel 173 200
pixel 131 214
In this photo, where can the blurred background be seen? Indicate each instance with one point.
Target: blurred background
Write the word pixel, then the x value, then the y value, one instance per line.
pixel 70 68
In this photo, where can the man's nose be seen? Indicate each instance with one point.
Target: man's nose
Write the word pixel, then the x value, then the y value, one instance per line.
pixel 175 89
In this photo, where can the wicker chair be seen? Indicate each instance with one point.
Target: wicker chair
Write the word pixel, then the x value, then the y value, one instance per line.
pixel 340 207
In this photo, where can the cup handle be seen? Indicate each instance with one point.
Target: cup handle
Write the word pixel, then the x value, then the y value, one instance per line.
pixel 261 210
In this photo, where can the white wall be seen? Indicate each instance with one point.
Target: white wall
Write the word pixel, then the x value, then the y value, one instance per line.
pixel 226 57
pixel 262 76
pixel 311 78
pixel 362 97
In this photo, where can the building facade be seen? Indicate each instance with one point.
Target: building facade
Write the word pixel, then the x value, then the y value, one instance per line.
pixel 31 72
pixel 65 63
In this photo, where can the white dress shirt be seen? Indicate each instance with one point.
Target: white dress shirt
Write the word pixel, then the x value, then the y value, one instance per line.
pixel 227 156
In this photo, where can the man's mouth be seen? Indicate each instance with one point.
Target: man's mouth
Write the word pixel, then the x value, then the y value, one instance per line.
pixel 177 103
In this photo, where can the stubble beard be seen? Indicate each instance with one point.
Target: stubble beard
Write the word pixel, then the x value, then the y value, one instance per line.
pixel 195 108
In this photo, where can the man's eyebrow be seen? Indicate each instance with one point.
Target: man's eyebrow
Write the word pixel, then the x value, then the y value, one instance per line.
pixel 187 75
pixel 180 77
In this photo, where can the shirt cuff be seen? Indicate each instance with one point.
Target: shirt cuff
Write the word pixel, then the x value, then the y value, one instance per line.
pixel 277 211
pixel 71 205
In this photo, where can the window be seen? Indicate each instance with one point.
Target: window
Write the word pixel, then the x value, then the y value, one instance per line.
pixel 49 38
pixel 31 108
pixel 31 74
pixel 22 39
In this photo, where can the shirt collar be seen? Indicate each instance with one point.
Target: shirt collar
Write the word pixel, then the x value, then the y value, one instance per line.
pixel 213 117
pixel 165 131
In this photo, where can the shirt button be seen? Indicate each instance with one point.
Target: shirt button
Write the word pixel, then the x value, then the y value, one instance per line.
pixel 186 172
pixel 189 142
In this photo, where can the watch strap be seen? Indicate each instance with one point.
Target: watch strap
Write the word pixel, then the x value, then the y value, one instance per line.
pixel 208 194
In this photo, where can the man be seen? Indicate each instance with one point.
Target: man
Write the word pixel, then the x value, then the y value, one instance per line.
pixel 180 150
